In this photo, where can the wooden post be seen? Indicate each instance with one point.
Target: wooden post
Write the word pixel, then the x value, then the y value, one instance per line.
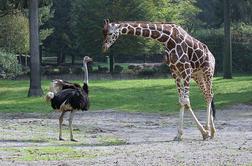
pixel 111 63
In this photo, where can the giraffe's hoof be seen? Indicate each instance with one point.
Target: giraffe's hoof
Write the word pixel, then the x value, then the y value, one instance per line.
pixel 205 127
pixel 178 138
pixel 205 136
pixel 74 140
pixel 212 133
pixel 61 139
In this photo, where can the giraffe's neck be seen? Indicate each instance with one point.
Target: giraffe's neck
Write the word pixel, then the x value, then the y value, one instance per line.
pixel 161 32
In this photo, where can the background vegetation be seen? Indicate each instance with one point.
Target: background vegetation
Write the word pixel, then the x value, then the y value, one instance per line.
pixel 71 29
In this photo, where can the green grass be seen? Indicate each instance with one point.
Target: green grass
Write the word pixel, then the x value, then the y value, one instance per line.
pixel 50 153
pixel 155 95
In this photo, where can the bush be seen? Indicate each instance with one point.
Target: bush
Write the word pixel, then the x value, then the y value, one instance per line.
pixel 147 72
pixel 163 68
pixel 77 70
pixel 102 69
pixel 9 67
pixel 118 69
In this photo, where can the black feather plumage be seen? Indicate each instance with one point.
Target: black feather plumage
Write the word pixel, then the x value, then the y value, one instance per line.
pixel 73 97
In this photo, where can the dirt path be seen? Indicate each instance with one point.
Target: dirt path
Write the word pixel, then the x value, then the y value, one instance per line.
pixel 114 138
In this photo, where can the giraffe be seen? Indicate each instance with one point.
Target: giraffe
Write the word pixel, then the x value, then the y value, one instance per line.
pixel 187 57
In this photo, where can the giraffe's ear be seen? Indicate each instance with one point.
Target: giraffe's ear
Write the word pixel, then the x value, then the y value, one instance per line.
pixel 105 27
pixel 106 21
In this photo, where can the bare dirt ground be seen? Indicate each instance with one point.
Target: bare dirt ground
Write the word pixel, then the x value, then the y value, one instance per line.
pixel 119 138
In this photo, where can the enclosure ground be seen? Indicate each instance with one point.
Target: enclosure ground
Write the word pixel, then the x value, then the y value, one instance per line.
pixel 109 137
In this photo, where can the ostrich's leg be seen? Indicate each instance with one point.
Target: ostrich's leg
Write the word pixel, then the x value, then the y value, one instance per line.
pixel 60 125
pixel 70 125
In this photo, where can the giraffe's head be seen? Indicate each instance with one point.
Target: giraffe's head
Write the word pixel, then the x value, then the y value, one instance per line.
pixel 111 32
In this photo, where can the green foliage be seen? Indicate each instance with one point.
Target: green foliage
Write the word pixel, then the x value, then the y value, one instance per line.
pixel 81 32
pixel 45 13
pixel 14 33
pixel 59 43
pixel 241 45
pixel 9 67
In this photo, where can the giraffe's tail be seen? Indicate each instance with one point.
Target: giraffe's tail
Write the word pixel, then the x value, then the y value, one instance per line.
pixel 213 108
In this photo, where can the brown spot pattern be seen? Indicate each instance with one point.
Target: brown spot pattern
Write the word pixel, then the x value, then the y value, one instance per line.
pixel 155 34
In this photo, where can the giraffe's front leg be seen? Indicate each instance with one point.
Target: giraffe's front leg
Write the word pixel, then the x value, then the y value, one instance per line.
pixel 186 101
pixel 182 108
pixel 180 124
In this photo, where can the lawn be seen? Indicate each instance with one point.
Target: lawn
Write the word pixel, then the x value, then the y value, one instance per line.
pixel 153 95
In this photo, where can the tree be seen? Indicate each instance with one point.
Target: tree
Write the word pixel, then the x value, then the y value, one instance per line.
pixel 35 78
pixel 14 33
pixel 59 43
pixel 227 64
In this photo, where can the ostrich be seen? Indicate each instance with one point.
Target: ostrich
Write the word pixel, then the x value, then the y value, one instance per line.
pixel 69 97
pixel 58 84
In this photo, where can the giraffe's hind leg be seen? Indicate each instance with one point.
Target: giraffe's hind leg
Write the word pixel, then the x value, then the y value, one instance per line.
pixel 209 97
pixel 204 81
pixel 185 101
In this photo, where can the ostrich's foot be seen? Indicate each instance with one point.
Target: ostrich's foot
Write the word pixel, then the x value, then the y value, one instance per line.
pixel 61 139
pixel 74 140
pixel 178 138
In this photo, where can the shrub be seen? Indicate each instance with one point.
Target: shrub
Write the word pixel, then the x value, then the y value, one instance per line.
pixel 9 67
pixel 118 69
pixel 131 67
pixel 163 68
pixel 77 70
pixel 102 69
pixel 147 72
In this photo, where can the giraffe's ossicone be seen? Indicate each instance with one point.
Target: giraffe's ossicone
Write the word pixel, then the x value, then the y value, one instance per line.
pixel 186 56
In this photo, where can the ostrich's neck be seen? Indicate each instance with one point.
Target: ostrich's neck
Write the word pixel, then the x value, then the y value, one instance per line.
pixel 85 76
pixel 161 32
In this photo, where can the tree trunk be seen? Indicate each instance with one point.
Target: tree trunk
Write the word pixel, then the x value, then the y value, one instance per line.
pixel 73 58
pixel 35 78
pixel 227 60
pixel 111 63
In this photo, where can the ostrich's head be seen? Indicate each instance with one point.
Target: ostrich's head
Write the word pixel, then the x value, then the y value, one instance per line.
pixel 111 32
pixel 87 59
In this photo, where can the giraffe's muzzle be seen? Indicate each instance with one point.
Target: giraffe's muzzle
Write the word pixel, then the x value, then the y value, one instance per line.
pixel 104 48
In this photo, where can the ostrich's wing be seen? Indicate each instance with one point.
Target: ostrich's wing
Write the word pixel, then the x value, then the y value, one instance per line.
pixel 79 100
pixel 58 85
pixel 61 97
